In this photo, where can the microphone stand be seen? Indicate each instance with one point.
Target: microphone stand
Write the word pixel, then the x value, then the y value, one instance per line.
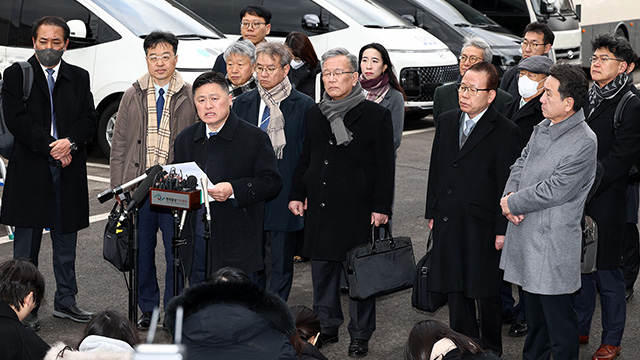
pixel 206 218
pixel 176 243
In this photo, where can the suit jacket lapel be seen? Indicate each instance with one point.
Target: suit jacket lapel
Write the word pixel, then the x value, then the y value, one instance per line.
pixel 353 114
pixel 484 126
pixel 39 76
pixel 253 106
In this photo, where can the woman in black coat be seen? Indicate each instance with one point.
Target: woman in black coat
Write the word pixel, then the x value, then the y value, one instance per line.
pixel 230 318
pixel 305 67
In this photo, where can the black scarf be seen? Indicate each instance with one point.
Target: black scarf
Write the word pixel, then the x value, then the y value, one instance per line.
pixel 609 91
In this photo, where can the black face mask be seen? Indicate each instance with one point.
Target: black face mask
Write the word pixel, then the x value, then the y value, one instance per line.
pixel 49 57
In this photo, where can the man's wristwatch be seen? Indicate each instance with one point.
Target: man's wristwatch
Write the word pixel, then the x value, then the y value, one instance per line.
pixel 72 145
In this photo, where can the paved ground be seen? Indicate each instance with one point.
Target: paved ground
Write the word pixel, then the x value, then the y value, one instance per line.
pixel 102 287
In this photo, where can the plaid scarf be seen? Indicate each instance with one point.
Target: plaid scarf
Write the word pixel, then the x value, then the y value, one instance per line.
pixel 275 129
pixel 376 89
pixel 609 91
pixel 158 139
pixel 239 90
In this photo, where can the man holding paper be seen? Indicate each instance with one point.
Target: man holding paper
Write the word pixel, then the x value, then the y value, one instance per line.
pixel 240 162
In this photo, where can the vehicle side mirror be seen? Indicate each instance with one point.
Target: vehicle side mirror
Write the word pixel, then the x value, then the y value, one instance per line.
pixel 312 22
pixel 547 7
pixel 410 19
pixel 77 28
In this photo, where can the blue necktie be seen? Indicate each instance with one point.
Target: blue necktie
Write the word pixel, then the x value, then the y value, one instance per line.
pixel 160 105
pixel 51 83
pixel 213 133
pixel 266 115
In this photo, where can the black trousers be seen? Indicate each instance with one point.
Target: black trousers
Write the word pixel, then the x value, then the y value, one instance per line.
pixel 326 302
pixel 553 327
pixel 487 328
pixel 631 256
pixel 26 246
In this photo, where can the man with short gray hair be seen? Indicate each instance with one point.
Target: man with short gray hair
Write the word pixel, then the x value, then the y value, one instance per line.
pixel 344 181
pixel 240 58
pixel 280 110
pixel 445 98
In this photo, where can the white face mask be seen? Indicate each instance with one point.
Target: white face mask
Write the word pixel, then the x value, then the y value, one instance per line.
pixel 527 87
pixel 296 64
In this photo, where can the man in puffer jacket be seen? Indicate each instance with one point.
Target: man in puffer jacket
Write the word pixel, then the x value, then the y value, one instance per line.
pixel 230 318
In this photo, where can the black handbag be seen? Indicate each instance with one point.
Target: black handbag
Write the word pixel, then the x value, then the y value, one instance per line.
pixel 589 245
pixel 116 242
pixel 382 266
pixel 422 298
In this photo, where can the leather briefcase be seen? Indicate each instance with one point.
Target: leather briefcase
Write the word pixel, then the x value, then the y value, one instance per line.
pixel 422 298
pixel 382 266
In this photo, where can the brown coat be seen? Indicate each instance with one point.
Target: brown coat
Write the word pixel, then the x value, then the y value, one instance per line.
pixel 129 143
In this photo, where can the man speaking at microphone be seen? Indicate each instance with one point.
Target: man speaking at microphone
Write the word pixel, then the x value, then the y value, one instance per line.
pixel 46 184
pixel 152 113
pixel 241 163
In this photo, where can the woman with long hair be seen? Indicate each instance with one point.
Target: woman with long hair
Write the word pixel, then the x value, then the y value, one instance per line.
pixel 381 85
pixel 305 65
pixel 431 339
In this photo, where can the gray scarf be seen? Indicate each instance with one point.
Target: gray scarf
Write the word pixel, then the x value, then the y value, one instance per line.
pixel 335 110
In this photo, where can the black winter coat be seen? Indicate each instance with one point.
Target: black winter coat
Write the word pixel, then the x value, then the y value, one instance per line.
pixel 242 155
pixel 16 342
pixel 233 321
pixel 525 117
pixel 617 152
pixel 27 199
pixel 343 185
pixel 277 215
pixel 463 198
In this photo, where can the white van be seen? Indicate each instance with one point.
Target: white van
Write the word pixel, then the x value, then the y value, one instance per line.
pixel 106 40
pixel 422 62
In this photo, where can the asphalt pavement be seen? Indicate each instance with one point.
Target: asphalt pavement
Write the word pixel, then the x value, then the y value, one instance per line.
pixel 102 287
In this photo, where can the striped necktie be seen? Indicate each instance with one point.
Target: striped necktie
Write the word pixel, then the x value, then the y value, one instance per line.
pixel 51 83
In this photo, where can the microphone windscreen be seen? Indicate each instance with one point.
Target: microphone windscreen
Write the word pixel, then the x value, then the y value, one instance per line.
pixel 143 189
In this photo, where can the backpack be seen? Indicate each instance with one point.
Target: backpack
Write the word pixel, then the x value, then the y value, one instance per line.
pixel 6 138
pixel 634 173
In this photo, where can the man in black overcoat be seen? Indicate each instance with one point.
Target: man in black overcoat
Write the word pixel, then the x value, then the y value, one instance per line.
pixel 618 149
pixel 473 150
pixel 344 180
pixel 46 185
pixel 275 93
pixel 240 162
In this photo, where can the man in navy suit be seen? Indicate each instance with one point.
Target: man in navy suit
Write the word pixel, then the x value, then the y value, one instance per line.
pixel 46 185
pixel 281 111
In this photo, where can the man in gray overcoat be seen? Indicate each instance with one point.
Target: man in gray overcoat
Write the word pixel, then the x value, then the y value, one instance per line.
pixel 544 201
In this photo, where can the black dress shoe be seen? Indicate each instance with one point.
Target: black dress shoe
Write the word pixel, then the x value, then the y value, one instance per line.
pixel 31 322
pixel 359 348
pixel 518 328
pixel 325 339
pixel 144 321
pixel 74 313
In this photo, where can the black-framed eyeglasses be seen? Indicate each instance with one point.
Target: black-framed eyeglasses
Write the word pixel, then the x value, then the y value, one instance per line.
pixel 270 70
pixel 254 24
pixel 527 43
pixel 472 91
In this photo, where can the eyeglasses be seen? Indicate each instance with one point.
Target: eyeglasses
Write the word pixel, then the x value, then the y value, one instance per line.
pixel 472 91
pixel 526 44
pixel 255 24
pixel 270 70
pixel 472 59
pixel 154 59
pixel 604 59
pixel 335 73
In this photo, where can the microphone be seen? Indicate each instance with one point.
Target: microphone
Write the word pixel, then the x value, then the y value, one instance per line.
pixel 205 196
pixel 142 190
pixel 182 220
pixel 109 193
